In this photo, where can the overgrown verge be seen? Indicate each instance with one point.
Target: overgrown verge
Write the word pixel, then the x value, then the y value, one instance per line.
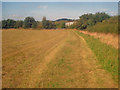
pixel 107 26
pixel 106 54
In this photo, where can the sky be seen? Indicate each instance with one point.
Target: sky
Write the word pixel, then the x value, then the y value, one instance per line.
pixel 55 10
pixel 60 0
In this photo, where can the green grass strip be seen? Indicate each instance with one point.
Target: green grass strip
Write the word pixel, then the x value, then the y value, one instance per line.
pixel 106 54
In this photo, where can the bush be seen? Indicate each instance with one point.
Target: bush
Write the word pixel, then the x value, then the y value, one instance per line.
pixel 107 26
pixel 60 24
pixel 39 25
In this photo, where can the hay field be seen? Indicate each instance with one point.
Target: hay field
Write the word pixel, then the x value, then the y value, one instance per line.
pixel 50 59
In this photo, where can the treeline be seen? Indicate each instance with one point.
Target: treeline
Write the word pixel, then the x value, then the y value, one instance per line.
pixel 88 20
pixel 29 22
pixel 107 26
pixel 84 22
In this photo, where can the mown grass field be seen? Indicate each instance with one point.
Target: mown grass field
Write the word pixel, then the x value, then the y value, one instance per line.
pixel 106 54
pixel 56 59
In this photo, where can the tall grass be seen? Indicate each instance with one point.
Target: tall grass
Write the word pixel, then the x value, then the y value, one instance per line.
pixel 107 26
pixel 106 54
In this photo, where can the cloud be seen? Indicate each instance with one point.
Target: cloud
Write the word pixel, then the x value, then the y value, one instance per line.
pixel 113 13
pixel 13 16
pixel 43 7
pixel 108 11
pixel 103 10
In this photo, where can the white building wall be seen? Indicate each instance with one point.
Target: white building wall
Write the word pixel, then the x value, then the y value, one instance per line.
pixel 69 23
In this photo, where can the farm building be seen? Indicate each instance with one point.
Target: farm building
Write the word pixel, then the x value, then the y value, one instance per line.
pixel 69 23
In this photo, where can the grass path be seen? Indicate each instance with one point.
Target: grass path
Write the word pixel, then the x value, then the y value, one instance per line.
pixel 75 66
pixel 61 60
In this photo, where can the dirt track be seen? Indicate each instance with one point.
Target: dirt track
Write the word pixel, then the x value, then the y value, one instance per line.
pixel 50 59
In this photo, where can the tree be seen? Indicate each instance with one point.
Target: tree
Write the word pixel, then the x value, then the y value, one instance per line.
pixel 34 25
pixel 51 25
pixel 63 25
pixel 28 22
pixel 4 24
pixel 45 23
pixel 18 24
pixel 60 24
pixel 48 24
pixel 9 23
pixel 88 20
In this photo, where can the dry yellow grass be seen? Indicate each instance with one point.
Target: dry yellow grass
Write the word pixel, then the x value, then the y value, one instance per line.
pixel 24 50
pixel 30 58
pixel 110 39
pixel 75 66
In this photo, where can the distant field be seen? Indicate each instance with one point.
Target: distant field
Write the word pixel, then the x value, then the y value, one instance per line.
pixel 50 59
